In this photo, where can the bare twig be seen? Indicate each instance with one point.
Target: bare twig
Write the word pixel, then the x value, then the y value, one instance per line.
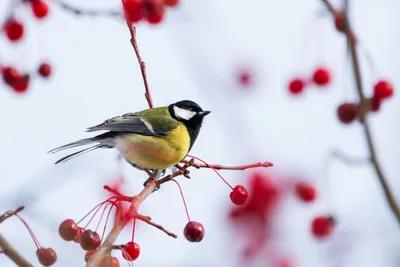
pixel 232 168
pixel 10 213
pixel 148 220
pixel 114 14
pixel 346 158
pixel 6 248
pixel 179 172
pixel 147 95
pixel 365 125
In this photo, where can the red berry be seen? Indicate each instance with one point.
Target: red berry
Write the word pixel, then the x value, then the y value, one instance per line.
pixel 296 86
pixel 46 256
pixel 40 8
pixel 171 2
pixel 133 11
pixel 347 112
pixel 109 261
pixel 131 251
pixel 44 70
pixel 239 195
pixel 340 21
pixel 244 78
pixel 305 192
pixel 10 75
pixel 89 254
pixel 383 89
pixel 375 104
pixel 90 240
pixel 153 10
pixel 68 230
pixel 321 76
pixel 77 238
pixel 322 226
pixel 21 84
pixel 194 231
pixel 13 29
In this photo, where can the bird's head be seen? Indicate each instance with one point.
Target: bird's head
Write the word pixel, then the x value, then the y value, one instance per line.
pixel 187 111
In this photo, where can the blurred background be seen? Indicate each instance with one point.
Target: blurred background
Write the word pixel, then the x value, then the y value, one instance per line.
pixel 234 58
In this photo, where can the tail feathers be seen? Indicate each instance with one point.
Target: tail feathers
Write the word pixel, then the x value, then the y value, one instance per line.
pixel 78 153
pixel 81 142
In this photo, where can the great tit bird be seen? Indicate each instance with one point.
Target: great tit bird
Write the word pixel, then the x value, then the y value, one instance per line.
pixel 153 139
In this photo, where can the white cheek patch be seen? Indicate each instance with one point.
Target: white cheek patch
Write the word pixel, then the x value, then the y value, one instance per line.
pixel 184 113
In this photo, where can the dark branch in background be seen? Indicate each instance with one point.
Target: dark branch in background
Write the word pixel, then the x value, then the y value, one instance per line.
pixel 6 248
pixel 114 14
pixel 364 122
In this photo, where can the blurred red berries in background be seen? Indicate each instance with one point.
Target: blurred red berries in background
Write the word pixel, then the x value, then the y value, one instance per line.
pixel 322 226
pixel 305 192
pixel 321 76
pixel 13 29
pixel 347 112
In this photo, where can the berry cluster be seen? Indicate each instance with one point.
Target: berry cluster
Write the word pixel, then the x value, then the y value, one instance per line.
pixel 90 240
pixel 349 112
pixel 152 11
pixel 322 226
pixel 14 29
pixel 19 82
pixel 321 77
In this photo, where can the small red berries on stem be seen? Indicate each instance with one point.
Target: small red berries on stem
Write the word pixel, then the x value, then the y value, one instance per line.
pixel 347 112
pixel 44 70
pixel 90 240
pixel 296 86
pixel 10 75
pixel 46 256
pixel 383 90
pixel 239 195
pixel 321 76
pixel 322 226
pixel 77 238
pixel 131 251
pixel 305 192
pixel 68 230
pixel 194 231
pixel 13 29
pixel 40 8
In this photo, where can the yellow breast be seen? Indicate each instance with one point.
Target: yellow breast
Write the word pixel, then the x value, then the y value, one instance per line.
pixel 149 152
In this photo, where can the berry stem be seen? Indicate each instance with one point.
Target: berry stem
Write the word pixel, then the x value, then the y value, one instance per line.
pixel 118 195
pixel 96 207
pixel 183 198
pixel 108 216
pixel 212 167
pixel 133 229
pixel 34 238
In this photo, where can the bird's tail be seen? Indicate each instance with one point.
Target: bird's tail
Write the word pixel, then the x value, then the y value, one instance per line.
pixel 105 140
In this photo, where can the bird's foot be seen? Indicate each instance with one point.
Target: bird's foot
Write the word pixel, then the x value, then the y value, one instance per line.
pixel 156 175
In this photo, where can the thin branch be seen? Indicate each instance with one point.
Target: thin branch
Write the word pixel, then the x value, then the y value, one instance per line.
pixel 365 125
pixel 232 168
pixel 346 158
pixel 6 248
pixel 179 172
pixel 147 94
pixel 10 213
pixel 148 220
pixel 78 11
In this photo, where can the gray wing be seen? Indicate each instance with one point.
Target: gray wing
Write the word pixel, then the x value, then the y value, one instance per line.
pixel 129 123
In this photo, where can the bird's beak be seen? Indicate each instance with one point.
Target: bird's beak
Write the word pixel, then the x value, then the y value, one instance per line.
pixel 203 113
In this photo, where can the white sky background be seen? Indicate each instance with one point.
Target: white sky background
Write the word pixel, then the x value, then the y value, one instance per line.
pixel 190 56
